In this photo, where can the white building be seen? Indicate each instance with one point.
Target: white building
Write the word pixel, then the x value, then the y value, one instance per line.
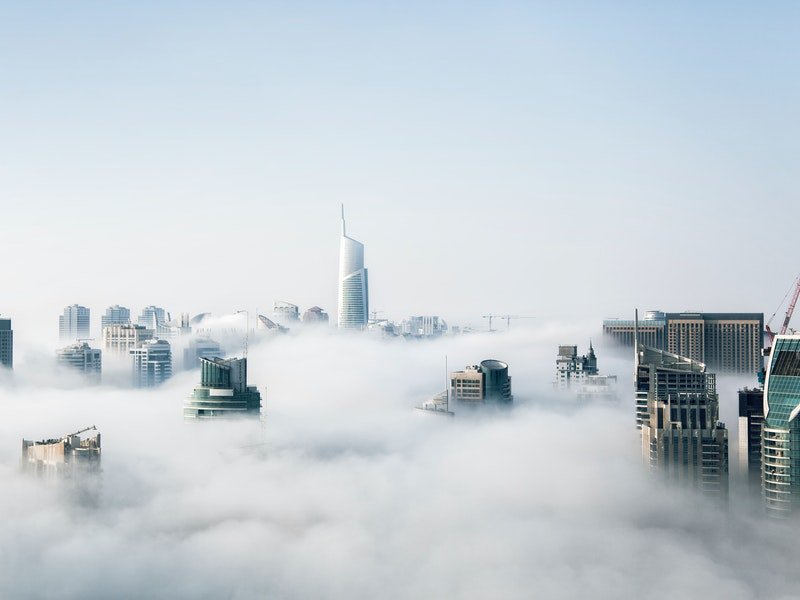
pixel 83 358
pixel 123 338
pixel 571 369
pixel 353 285
pixel 152 363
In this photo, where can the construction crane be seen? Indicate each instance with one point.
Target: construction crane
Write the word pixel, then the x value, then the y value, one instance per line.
pixel 506 317
pixel 81 431
pixel 788 317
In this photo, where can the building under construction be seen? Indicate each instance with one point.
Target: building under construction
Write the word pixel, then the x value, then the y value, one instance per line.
pixel 65 457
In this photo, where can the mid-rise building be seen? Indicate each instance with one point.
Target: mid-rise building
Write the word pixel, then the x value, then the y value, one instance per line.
pixel 116 315
pixel 83 358
pixel 726 342
pixel 73 325
pixel 286 311
pixel 678 410
pixel 6 344
pixel 315 315
pixel 200 348
pixel 353 283
pixel 223 391
pixel 121 339
pixel 780 439
pixel 751 422
pixel 571 369
pixel 487 383
pixel 65 457
pixel 152 363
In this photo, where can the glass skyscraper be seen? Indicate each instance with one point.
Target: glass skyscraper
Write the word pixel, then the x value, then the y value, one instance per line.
pixel 353 285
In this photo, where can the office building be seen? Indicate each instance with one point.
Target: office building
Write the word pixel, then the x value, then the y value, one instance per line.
pixel 6 344
pixel 677 410
pixel 116 315
pixel 780 439
pixel 73 325
pixel 286 311
pixel 315 315
pixel 751 422
pixel 152 363
pixel 726 342
pixel 65 457
pixel 200 348
pixel 152 317
pixel 121 339
pixel 487 383
pixel 353 283
pixel 571 369
pixel 81 357
pixel 223 391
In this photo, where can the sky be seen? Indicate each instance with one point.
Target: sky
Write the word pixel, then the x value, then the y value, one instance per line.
pixel 504 157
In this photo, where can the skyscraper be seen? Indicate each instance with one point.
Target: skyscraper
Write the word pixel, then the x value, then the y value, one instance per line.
pixel 152 363
pixel 73 324
pixel 780 440
pixel 116 315
pixel 677 408
pixel 223 391
pixel 353 285
pixel 6 344
pixel 152 317
pixel 81 357
pixel 751 421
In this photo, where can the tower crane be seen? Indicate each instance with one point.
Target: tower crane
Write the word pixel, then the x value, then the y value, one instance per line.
pixel 788 317
pixel 506 317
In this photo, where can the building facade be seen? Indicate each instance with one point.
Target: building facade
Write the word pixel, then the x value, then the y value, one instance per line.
pixel 286 311
pixel 780 439
pixel 487 383
pixel 121 339
pixel 83 358
pixel 152 316
pixel 116 315
pixel 152 363
pixel 677 410
pixel 571 369
pixel 223 391
pixel 751 422
pixel 726 342
pixel 353 283
pixel 73 325
pixel 6 344
pixel 64 457
pixel 315 315
pixel 200 348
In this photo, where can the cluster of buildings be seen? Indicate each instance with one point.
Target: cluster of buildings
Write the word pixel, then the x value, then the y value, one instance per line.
pixel 578 375
pixel 66 457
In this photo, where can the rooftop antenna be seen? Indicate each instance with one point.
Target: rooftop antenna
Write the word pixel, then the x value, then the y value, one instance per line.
pixel 446 385
pixel 636 331
pixel 344 232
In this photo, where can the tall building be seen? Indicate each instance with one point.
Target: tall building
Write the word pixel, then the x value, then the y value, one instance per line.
pixel 123 338
pixel 571 369
pixel 726 342
pixel 152 317
pixel 353 284
pixel 81 357
pixel 315 315
pixel 197 349
pixel 780 440
pixel 152 363
pixel 6 344
pixel 116 315
pixel 751 422
pixel 73 325
pixel 223 391
pixel 65 457
pixel 677 409
pixel 286 311
pixel 487 383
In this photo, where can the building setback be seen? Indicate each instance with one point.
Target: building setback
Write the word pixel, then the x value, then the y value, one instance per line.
pixel 73 325
pixel 152 363
pixel 726 342
pixel 81 357
pixel 6 344
pixel 223 391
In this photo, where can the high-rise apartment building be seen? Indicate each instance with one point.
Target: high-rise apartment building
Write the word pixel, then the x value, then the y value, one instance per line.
pixel 677 409
pixel 487 383
pixel 152 363
pixel 116 315
pixel 751 422
pixel 353 284
pixel 121 339
pixel 571 369
pixel 780 439
pixel 223 391
pixel 81 357
pixel 726 342
pixel 152 317
pixel 73 325
pixel 6 344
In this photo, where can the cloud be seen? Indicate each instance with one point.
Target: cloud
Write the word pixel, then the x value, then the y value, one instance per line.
pixel 343 491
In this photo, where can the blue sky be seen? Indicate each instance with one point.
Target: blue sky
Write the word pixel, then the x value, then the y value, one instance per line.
pixel 547 158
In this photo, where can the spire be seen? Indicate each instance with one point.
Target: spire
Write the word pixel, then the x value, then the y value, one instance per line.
pixel 344 232
pixel 591 350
